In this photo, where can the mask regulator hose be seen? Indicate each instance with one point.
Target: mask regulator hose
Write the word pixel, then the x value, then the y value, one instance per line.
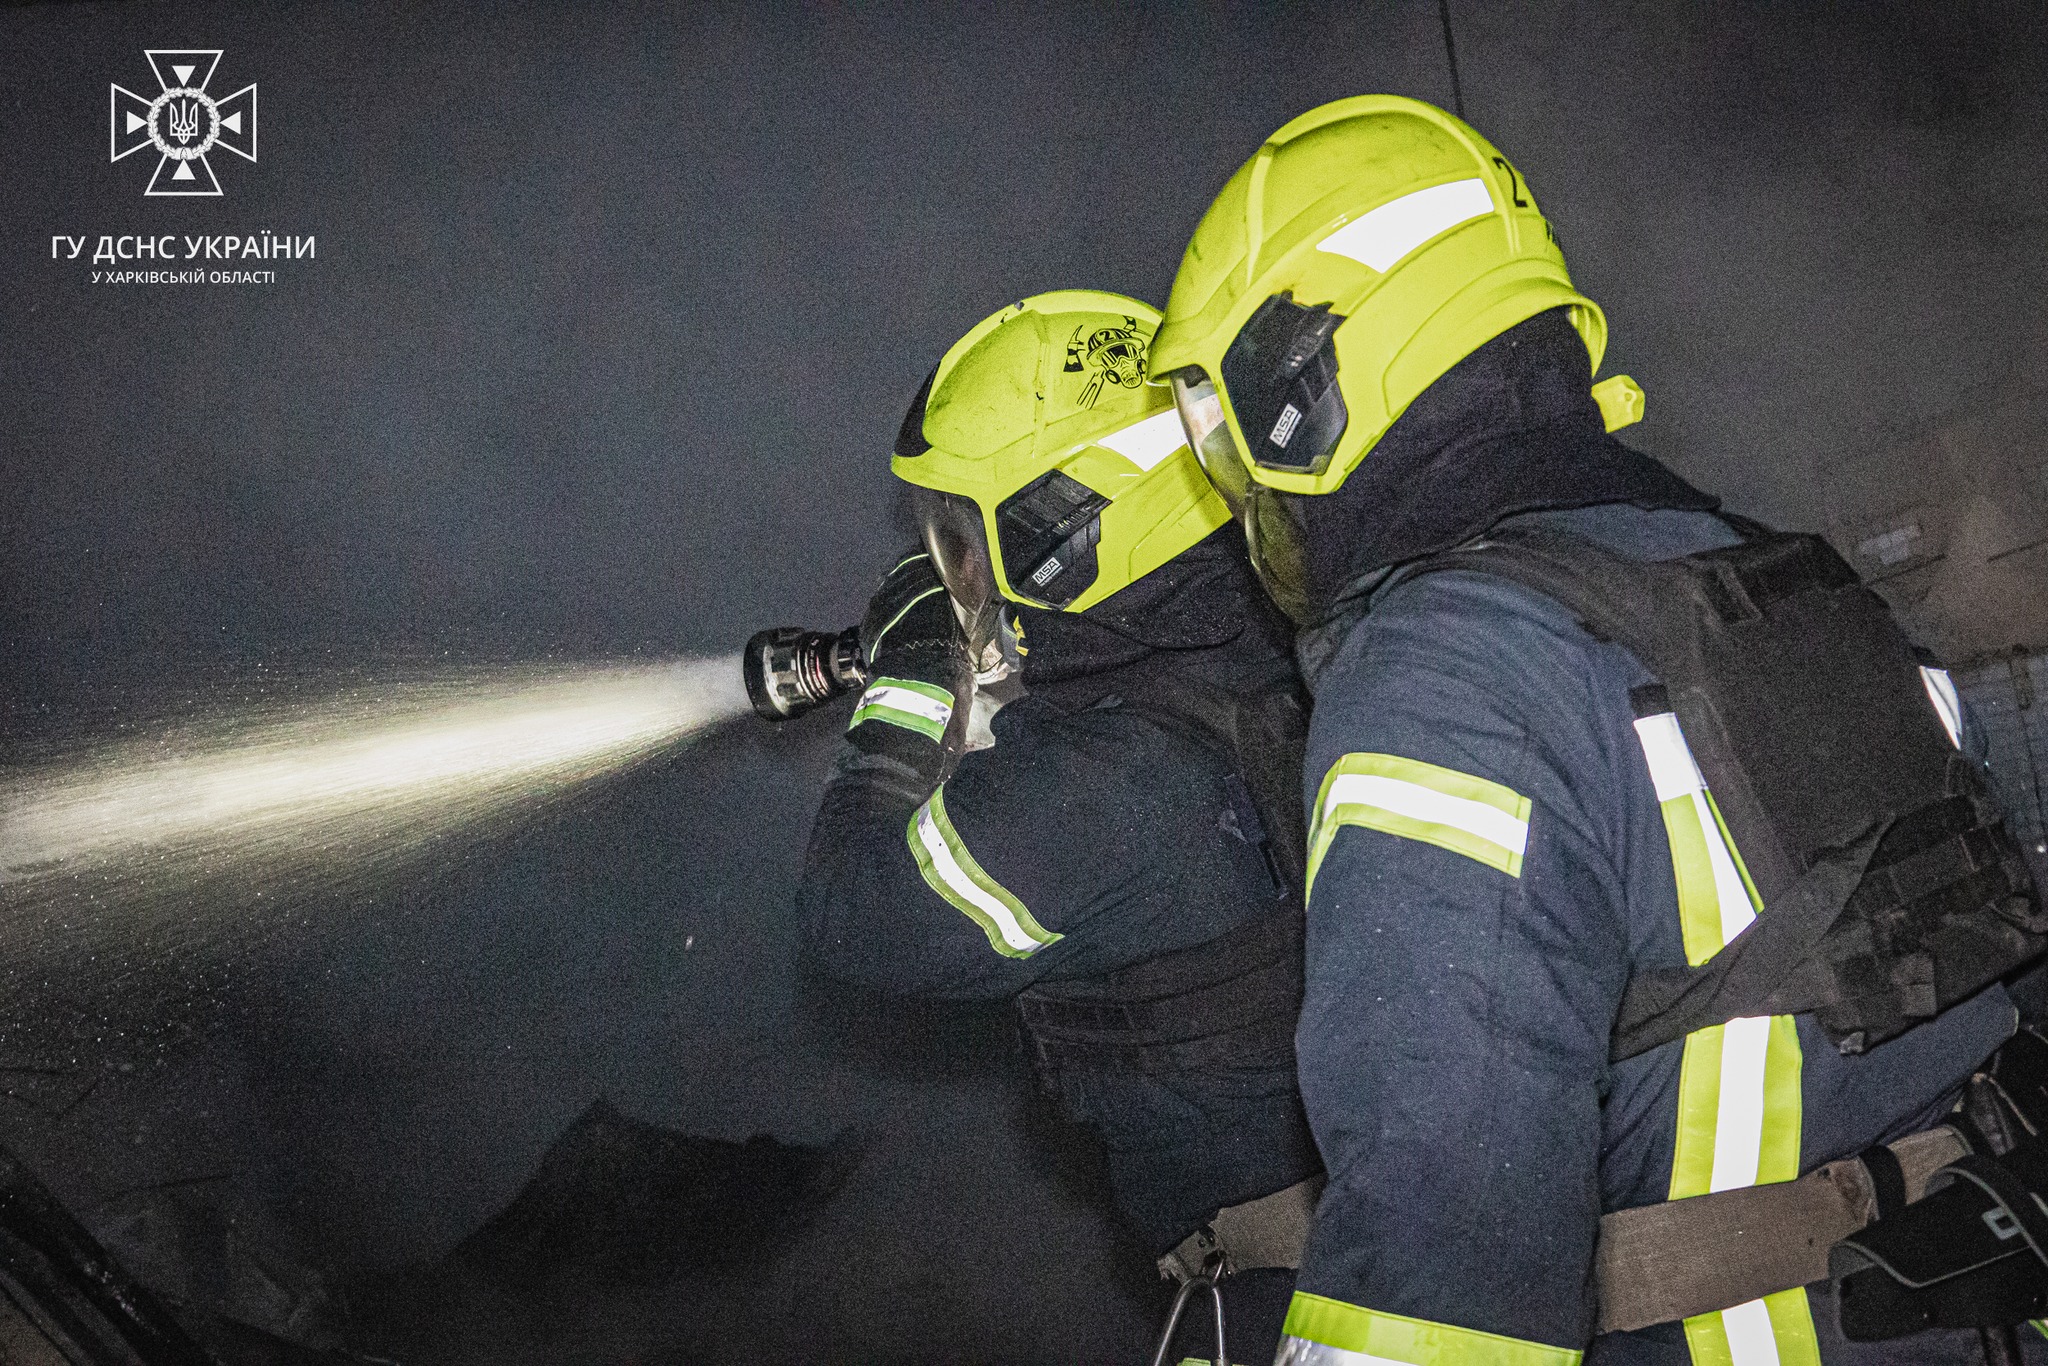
pixel 790 670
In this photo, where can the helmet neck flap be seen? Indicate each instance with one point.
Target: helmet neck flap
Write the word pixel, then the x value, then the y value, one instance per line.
pixel 1509 429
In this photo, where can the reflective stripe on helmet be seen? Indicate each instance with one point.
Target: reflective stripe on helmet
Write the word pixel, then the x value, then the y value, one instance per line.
pixel 1739 1097
pixel 1326 1332
pixel 906 702
pixel 1456 811
pixel 1385 235
pixel 954 875
pixel 1941 691
pixel 1147 442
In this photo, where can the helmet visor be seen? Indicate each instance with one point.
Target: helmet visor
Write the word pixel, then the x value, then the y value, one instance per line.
pixel 953 532
pixel 1201 420
pixel 1272 531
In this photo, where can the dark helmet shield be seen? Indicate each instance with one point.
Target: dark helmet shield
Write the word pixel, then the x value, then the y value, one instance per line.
pixel 1048 531
pixel 1280 375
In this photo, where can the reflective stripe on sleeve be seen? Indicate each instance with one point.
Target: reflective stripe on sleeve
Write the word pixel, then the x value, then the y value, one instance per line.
pixel 1739 1097
pixel 906 702
pixel 1324 1332
pixel 954 875
pixel 1941 691
pixel 1456 811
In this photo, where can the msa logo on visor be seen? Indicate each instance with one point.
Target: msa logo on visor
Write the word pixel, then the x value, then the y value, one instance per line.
pixel 1047 532
pixel 1281 375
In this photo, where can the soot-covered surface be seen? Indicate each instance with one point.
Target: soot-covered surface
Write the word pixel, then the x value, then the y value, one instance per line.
pixel 633 1201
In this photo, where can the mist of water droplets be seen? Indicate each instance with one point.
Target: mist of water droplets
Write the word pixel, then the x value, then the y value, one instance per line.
pixel 346 784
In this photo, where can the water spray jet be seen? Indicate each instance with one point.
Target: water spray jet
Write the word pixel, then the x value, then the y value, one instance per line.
pixel 350 778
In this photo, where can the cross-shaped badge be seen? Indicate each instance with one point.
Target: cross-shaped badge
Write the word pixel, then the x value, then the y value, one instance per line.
pixel 183 123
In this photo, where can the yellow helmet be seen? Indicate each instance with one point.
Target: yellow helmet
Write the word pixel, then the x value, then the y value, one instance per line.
pixel 1370 246
pixel 1048 471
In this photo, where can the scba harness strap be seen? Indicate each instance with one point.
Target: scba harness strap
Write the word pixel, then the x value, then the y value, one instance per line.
pixel 1890 886
pixel 1941 1229
pixel 1670 1261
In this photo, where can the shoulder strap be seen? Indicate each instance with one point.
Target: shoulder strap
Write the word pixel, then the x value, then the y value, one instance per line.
pixel 1766 652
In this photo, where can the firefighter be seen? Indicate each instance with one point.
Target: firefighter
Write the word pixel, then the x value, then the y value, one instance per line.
pixel 1575 733
pixel 1071 783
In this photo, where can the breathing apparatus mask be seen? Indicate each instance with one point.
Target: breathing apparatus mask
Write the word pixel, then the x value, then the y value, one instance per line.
pixel 950 526
pixel 1281 375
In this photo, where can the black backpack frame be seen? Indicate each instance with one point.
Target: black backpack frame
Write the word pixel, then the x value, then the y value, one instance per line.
pixel 1891 888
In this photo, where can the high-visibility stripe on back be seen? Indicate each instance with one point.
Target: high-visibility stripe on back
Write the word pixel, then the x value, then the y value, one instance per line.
pixel 953 873
pixel 1738 1090
pixel 1941 691
pixel 1424 802
pixel 1321 1331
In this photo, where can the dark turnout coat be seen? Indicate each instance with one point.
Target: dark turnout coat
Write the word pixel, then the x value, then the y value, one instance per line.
pixel 1492 854
pixel 1102 830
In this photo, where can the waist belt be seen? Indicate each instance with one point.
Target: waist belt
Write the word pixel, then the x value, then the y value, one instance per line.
pixel 1661 1263
pixel 1230 1003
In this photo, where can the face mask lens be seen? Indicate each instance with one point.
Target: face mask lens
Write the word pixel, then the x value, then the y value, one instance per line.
pixel 1201 418
pixel 952 531
pixel 1271 532
pixel 1274 538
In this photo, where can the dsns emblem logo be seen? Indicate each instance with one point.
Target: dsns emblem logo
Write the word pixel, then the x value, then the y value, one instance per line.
pixel 183 123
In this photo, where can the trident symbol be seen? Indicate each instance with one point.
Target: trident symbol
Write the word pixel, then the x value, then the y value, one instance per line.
pixel 183 123
pixel 184 119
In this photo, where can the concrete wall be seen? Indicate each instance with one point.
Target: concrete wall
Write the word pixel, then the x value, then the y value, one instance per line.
pixel 1951 522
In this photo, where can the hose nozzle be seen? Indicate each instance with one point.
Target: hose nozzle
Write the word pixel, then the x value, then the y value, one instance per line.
pixel 789 670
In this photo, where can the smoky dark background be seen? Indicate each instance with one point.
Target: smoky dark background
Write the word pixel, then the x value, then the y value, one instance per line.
pixel 614 314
